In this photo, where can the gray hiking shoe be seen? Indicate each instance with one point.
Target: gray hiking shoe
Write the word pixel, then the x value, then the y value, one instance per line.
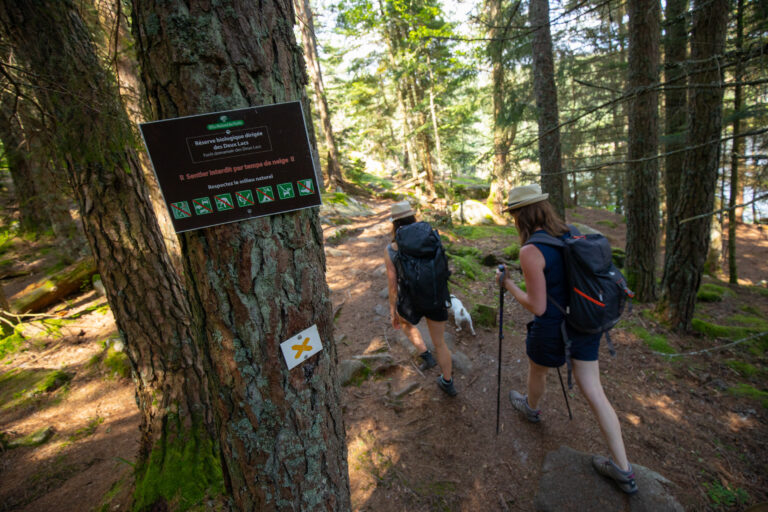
pixel 447 386
pixel 624 479
pixel 427 361
pixel 520 403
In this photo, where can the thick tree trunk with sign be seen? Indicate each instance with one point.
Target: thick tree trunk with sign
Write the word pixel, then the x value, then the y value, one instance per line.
pixel 93 138
pixel 261 281
pixel 643 196
pixel 550 158
pixel 687 251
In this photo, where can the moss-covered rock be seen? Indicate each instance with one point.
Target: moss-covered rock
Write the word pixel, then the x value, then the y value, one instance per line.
pixel 466 265
pixel 709 292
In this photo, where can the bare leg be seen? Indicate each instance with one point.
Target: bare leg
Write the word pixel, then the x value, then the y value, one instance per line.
pixel 587 375
pixel 413 334
pixel 442 354
pixel 537 383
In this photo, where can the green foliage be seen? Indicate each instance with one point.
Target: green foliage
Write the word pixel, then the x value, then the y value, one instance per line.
pixel 10 344
pixel 655 342
pixel 463 251
pixel 484 315
pixel 607 223
pixel 117 363
pixel 749 391
pixel 744 368
pixel 184 469
pixel 88 430
pixel 709 292
pixel 483 232
pixel 618 256
pixel 467 266
pixel 336 198
pixel 361 376
pixel 512 251
pixel 726 495
pixel 21 386
pixel 6 240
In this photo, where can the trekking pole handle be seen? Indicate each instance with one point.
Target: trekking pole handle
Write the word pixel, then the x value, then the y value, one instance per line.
pixel 502 273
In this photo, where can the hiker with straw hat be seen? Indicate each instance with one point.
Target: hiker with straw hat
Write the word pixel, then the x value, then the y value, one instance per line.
pixel 407 299
pixel 544 274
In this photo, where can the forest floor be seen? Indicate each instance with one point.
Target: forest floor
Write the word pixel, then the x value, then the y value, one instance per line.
pixel 700 420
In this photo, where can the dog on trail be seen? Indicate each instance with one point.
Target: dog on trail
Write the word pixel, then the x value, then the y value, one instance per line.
pixel 460 314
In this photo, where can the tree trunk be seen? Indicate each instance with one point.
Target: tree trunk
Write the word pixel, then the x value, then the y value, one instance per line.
pixel 643 197
pixel 734 215
pixel 496 36
pixel 690 240
pixel 675 52
pixel 544 87
pixel 307 27
pixel 260 281
pixel 150 307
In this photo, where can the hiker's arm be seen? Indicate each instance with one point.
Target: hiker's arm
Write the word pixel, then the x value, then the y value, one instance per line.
pixel 392 284
pixel 535 298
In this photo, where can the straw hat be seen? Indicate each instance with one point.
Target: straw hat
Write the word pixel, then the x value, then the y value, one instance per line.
pixel 523 196
pixel 401 210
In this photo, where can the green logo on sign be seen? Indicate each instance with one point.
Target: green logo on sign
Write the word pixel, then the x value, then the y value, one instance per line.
pixel 225 124
pixel 244 198
pixel 306 187
pixel 223 202
pixel 265 194
pixel 285 190
pixel 202 206
pixel 181 210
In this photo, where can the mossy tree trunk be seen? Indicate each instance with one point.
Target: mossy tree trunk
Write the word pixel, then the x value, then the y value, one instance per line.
pixel 260 281
pixel 687 252
pixel 93 137
pixel 643 196
pixel 550 156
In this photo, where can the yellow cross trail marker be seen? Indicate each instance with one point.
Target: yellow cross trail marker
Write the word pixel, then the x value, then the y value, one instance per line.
pixel 301 346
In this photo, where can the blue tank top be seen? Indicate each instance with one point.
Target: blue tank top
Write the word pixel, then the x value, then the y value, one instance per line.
pixel 548 324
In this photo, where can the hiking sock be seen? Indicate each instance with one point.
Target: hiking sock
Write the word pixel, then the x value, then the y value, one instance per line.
pixel 428 361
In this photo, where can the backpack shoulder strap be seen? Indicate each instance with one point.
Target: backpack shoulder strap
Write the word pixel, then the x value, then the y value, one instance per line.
pixel 544 238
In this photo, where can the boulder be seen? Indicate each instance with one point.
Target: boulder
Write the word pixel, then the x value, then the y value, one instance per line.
pixel 348 369
pixel 461 363
pixel 473 213
pixel 570 483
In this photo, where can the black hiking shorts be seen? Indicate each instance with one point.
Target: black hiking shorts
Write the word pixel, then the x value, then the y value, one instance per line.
pixel 544 345
pixel 414 315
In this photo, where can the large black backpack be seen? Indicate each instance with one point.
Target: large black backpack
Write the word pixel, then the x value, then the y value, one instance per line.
pixel 597 291
pixel 422 267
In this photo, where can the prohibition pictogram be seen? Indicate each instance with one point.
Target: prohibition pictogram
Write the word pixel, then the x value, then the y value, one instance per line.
pixel 265 194
pixel 306 187
pixel 181 210
pixel 285 190
pixel 224 202
pixel 202 205
pixel 244 198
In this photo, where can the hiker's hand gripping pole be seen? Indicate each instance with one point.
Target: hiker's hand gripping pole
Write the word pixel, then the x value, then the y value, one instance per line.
pixel 502 271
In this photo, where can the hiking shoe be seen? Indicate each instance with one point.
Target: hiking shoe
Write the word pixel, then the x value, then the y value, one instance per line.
pixel 520 403
pixel 447 386
pixel 624 479
pixel 427 361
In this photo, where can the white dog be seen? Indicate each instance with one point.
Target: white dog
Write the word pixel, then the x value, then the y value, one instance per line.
pixel 460 314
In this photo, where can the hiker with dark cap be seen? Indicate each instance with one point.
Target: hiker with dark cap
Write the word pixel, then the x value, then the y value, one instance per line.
pixel 544 274
pixel 417 273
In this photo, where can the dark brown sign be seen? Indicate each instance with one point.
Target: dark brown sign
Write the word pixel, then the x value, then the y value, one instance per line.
pixel 229 166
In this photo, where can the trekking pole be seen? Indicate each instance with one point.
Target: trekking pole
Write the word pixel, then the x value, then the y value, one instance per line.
pixel 501 337
pixel 565 395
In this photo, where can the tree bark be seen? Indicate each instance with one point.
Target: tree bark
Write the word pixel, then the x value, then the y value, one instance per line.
pixel 93 137
pixel 734 214
pixel 260 281
pixel 690 240
pixel 309 42
pixel 550 158
pixel 675 53
pixel 643 196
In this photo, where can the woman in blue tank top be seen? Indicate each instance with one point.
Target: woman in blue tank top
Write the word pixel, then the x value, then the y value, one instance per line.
pixel 544 275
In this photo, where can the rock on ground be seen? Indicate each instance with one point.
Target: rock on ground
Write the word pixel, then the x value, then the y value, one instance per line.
pixel 570 483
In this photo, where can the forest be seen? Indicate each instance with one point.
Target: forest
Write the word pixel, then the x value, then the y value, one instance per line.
pixel 140 363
